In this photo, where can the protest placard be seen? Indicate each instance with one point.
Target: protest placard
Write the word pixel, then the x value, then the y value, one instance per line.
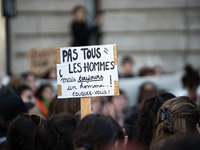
pixel 87 71
pixel 41 60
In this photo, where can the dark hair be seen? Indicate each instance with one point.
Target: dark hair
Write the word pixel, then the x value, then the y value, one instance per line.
pixel 118 129
pixel 70 105
pixel 10 106
pixel 95 132
pixel 127 59
pixel 145 71
pixel 147 117
pixel 191 77
pixel 15 82
pixel 77 8
pixel 48 73
pixel 56 133
pixel 26 74
pixel 21 89
pixel 41 89
pixel 145 94
pixel 21 133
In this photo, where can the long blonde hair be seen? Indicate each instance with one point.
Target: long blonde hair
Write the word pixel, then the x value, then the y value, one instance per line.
pixel 176 117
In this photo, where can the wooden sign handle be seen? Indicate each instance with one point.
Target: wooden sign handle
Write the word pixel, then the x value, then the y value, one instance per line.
pixel 85 106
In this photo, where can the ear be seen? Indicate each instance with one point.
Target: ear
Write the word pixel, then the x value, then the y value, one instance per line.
pixel 198 128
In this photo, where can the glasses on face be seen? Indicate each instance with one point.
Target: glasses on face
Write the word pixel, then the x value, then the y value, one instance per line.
pixel 36 119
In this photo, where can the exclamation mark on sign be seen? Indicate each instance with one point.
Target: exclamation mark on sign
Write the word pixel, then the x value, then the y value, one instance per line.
pixel 110 81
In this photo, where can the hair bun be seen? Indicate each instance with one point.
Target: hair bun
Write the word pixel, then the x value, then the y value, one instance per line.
pixel 189 69
pixel 167 128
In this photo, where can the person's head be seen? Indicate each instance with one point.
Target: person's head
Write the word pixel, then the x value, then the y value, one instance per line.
pixel 146 71
pixel 10 106
pixel 70 105
pixel 28 98
pixel 56 133
pixel 119 101
pixel 21 132
pixel 146 91
pixel 147 86
pixel 30 80
pixel 191 78
pixel 25 93
pixel 51 74
pixel 96 132
pixel 175 118
pixel 147 118
pixel 79 13
pixel 97 104
pixel 158 70
pixel 45 91
pixel 15 82
pixel 127 65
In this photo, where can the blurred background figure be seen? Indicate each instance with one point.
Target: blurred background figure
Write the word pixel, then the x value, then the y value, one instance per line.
pixel 5 91
pixel 146 71
pixel 97 104
pixel 115 107
pixel 27 97
pixel 191 80
pixel 127 67
pixel 158 70
pixel 146 91
pixel 51 74
pixel 80 30
pixel 69 105
pixel 15 82
pixel 44 97
pixel 30 80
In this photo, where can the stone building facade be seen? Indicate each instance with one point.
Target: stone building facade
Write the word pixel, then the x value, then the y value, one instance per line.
pixel 156 32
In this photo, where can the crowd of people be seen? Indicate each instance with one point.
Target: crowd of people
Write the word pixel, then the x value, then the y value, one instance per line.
pixel 33 118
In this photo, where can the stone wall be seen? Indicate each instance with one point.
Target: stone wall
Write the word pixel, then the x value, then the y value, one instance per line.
pixel 156 32
pixel 39 24
pixel 164 32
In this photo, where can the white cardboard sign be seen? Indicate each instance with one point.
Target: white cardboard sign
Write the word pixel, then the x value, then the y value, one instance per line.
pixel 87 71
